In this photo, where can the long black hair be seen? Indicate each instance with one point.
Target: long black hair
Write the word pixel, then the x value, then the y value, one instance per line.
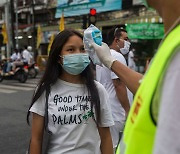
pixel 54 70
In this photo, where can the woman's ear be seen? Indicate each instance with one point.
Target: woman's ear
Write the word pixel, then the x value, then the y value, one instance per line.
pixel 60 61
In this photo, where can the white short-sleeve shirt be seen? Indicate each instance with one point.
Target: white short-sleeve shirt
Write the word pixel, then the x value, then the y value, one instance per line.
pixel 105 77
pixel 70 118
pixel 16 56
pixel 167 138
pixel 27 56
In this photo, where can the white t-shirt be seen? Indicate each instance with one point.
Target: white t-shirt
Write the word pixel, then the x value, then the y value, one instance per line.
pixel 131 63
pixel 167 136
pixel 16 56
pixel 70 118
pixel 105 76
pixel 27 56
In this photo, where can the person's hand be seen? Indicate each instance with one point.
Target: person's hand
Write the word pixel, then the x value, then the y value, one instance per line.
pixel 103 52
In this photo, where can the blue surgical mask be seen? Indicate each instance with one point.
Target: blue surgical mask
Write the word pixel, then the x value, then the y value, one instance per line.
pixel 75 63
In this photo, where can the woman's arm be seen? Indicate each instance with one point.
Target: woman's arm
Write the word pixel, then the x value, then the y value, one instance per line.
pixel 106 140
pixel 128 76
pixel 37 134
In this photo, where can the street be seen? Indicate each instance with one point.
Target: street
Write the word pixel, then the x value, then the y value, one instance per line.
pixel 15 98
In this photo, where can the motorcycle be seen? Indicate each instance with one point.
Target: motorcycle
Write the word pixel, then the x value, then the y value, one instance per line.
pixel 20 74
pixel 33 70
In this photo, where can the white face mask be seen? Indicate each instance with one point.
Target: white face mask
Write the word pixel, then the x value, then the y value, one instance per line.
pixel 125 50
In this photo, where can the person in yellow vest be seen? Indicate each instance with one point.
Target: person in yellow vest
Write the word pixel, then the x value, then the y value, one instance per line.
pixel 153 124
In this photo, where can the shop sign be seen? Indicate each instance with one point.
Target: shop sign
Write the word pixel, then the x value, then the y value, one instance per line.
pixel 75 4
pixel 145 31
pixel 81 7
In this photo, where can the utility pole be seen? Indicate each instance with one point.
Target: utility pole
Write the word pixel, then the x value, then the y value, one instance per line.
pixel 84 20
pixel 34 29
pixel 8 29
pixel 12 23
pixel 17 41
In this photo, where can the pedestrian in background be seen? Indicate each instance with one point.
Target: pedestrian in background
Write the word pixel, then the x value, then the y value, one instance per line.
pixel 116 89
pixel 153 122
pixel 26 55
pixel 78 112
pixel 13 62
pixel 16 60
pixel 131 60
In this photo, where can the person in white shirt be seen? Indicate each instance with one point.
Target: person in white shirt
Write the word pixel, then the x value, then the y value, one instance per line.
pixel 78 113
pixel 27 57
pixel 131 62
pixel 115 87
pixel 14 61
pixel 165 107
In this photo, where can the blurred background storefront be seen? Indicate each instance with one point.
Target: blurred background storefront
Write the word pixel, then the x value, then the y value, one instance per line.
pixel 32 22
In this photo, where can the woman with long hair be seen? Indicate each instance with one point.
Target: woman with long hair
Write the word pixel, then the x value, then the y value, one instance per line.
pixel 78 113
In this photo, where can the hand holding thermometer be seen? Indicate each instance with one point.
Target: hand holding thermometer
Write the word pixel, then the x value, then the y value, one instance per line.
pixel 92 34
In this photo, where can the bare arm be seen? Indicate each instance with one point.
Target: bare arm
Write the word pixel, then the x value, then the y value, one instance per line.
pixel 37 134
pixel 106 140
pixel 127 75
pixel 121 93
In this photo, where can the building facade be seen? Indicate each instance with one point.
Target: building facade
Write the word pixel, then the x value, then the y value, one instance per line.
pixel 26 15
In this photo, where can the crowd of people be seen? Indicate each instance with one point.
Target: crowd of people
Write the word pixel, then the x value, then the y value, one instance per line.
pixel 89 113
pixel 18 58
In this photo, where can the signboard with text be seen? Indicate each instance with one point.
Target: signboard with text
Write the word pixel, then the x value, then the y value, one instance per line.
pixel 72 4
pixel 80 7
pixel 145 31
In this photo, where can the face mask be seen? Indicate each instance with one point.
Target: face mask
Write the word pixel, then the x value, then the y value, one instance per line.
pixel 75 63
pixel 125 50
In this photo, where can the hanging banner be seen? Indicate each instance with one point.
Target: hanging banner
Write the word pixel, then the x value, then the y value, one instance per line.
pixel 61 23
pixel 80 7
pixel 39 36
pixel 4 33
pixel 50 42
pixel 145 31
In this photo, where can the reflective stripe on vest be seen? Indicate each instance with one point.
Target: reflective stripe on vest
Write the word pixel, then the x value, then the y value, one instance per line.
pixel 140 130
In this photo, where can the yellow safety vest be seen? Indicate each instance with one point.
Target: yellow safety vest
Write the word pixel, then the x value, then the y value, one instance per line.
pixel 140 130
